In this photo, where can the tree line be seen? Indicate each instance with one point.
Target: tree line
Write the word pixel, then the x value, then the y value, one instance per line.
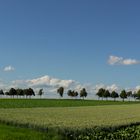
pixel 103 93
pixel 20 92
pixel 29 92
pixel 71 93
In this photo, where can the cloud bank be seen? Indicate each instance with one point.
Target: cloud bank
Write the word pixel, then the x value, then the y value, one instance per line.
pixel 51 84
pixel 115 60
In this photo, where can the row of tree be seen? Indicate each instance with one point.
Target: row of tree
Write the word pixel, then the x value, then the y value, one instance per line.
pixel 83 93
pixel 30 92
pixel 103 93
pixel 21 92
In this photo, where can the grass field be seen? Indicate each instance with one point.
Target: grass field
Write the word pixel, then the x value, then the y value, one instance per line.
pixel 67 116
pixel 16 133
pixel 31 103
pixel 74 117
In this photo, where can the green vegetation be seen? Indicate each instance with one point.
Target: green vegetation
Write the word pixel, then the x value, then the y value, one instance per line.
pixel 30 103
pixel 60 91
pixel 41 119
pixel 8 132
pixel 73 117
pixel 89 122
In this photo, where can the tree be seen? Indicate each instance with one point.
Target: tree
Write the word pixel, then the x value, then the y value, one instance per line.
pixel 69 93
pixel 75 94
pixel 25 92
pixel 72 93
pixel 60 91
pixel 31 92
pixel 83 93
pixel 134 95
pixel 129 94
pixel 28 92
pixel 12 92
pixel 7 93
pixel 40 93
pixel 114 95
pixel 106 94
pixel 138 94
pixel 100 93
pixel 123 95
pixel 1 92
pixel 20 92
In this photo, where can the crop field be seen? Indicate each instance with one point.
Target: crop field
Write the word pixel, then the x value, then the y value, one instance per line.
pixel 77 119
pixel 16 133
pixel 32 103
pixel 73 117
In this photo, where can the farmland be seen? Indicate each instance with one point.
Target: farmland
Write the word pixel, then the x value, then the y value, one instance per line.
pixel 73 117
pixel 69 117
pixel 16 133
pixel 31 103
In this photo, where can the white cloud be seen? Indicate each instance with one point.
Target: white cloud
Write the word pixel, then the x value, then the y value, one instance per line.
pixel 111 88
pixel 9 68
pixel 50 81
pixel 115 60
pixel 50 86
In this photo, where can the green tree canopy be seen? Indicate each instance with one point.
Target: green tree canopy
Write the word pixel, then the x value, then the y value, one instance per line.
pixel 60 91
pixel 83 93
pixel 114 95
pixel 40 93
pixel 100 93
pixel 12 92
pixel 106 94
pixel 123 95
pixel 1 92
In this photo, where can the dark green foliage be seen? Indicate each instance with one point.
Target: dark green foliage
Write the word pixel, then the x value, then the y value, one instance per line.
pixel 72 93
pixel 128 132
pixel 114 95
pixel 100 93
pixel 1 92
pixel 106 94
pixel 60 91
pixel 138 94
pixel 12 92
pixel 40 93
pixel 28 92
pixel 20 92
pixel 134 95
pixel 83 93
pixel 123 95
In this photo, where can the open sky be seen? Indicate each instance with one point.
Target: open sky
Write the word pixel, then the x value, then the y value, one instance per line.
pixel 89 41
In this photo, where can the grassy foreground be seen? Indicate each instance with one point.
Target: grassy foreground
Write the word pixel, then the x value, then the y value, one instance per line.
pixel 31 103
pixel 68 119
pixel 16 133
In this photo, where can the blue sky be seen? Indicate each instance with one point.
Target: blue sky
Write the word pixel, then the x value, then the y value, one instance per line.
pixel 70 40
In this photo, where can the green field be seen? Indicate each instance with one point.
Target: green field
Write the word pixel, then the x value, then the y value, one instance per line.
pixel 31 103
pixel 16 133
pixel 60 117
pixel 73 117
